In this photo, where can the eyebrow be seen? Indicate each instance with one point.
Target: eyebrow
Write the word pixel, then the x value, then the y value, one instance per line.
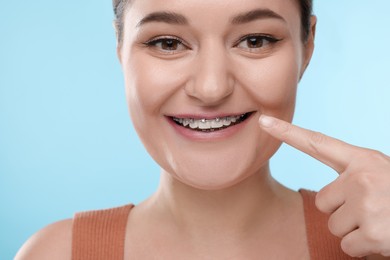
pixel 175 18
pixel 166 17
pixel 255 15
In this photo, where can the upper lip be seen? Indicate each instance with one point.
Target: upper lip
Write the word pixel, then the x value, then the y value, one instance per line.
pixel 207 115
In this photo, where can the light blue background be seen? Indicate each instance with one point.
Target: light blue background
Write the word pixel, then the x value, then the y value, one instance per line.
pixel 67 144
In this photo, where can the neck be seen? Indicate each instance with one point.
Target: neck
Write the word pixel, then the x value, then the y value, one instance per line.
pixel 253 202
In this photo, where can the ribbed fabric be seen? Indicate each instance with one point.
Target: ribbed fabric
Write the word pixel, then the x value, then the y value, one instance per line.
pixel 100 235
pixel 322 244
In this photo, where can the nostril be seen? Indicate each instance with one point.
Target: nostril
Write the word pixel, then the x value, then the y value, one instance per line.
pixel 211 85
pixel 210 94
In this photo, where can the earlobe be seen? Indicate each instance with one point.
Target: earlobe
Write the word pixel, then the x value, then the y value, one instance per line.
pixel 313 22
pixel 118 52
pixel 309 45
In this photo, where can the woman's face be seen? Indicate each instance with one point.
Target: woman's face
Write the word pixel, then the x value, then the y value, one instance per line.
pixel 199 74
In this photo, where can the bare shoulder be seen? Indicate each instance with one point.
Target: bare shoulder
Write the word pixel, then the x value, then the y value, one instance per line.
pixel 51 242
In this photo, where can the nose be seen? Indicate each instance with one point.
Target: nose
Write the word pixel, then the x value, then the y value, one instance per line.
pixel 211 81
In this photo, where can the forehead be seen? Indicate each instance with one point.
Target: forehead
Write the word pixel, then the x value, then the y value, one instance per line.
pixel 208 12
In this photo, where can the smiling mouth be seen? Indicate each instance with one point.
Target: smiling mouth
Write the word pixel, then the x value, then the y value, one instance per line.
pixel 211 125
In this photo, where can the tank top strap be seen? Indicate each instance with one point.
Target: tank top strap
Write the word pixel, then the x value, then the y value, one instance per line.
pixel 100 234
pixel 322 244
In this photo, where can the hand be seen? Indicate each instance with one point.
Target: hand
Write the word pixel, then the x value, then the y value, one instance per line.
pixel 358 201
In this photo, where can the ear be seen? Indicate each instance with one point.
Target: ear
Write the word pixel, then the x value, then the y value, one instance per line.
pixel 118 52
pixel 118 47
pixel 309 44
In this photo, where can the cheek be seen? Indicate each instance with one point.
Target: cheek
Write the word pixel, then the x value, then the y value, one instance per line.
pixel 272 82
pixel 150 82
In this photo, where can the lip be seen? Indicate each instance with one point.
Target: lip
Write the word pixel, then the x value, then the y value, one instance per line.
pixel 208 136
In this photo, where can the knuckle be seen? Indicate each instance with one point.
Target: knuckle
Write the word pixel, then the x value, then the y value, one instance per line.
pixel 373 208
pixel 316 139
pixel 286 130
pixel 366 209
pixel 378 156
pixel 375 237
pixel 363 181
pixel 320 202
pixel 373 156
pixel 347 246
pixel 372 236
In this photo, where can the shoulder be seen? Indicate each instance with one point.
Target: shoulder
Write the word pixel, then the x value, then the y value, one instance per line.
pixel 52 242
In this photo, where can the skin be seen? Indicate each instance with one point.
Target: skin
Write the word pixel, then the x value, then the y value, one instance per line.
pixel 358 200
pixel 203 187
pixel 197 80
pixel 217 198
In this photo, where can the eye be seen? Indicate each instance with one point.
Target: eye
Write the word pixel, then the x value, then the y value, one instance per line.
pixel 167 44
pixel 256 41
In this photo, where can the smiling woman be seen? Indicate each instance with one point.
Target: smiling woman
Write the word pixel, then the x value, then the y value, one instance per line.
pixel 211 90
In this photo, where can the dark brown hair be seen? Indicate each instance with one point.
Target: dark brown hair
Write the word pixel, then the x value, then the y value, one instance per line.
pixel 120 7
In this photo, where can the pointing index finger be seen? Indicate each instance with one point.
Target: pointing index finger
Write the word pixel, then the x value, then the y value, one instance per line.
pixel 328 150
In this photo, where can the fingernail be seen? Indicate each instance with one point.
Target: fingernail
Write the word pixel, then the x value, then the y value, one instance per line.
pixel 266 121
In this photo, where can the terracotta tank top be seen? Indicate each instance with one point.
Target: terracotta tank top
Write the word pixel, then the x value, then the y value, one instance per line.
pixel 100 235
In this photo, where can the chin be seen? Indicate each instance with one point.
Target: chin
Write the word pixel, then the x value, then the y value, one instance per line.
pixel 214 176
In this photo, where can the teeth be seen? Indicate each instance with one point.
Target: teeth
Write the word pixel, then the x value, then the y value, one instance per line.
pixel 185 122
pixel 226 121
pixel 208 124
pixel 194 123
pixel 216 123
pixel 204 124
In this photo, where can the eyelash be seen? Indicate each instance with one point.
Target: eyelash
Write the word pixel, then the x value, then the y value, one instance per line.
pixel 259 37
pixel 160 40
pixel 176 41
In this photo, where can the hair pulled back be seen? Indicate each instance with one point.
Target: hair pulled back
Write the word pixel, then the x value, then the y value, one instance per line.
pixel 120 7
